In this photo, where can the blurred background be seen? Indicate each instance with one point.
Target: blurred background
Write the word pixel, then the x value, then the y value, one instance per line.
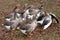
pixel 52 33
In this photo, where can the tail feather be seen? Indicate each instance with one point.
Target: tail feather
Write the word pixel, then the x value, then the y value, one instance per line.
pixel 54 17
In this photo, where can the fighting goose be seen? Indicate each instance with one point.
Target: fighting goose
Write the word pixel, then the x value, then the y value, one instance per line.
pixel 14 24
pixel 7 22
pixel 29 27
pixel 46 20
pixel 12 18
pixel 31 13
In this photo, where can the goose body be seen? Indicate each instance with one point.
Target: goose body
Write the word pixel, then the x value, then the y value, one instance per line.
pixel 46 20
pixel 12 18
pixel 28 28
pixel 31 13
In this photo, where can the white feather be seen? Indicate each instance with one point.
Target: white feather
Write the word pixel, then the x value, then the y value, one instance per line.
pixel 30 16
pixel 27 11
pixel 7 19
pixel 18 14
pixel 23 19
pixel 18 27
pixel 7 27
pixel 38 15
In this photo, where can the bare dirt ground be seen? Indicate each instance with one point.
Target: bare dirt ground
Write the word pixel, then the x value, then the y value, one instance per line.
pixel 51 33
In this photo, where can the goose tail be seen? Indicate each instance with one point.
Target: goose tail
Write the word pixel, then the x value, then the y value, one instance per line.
pixel 54 17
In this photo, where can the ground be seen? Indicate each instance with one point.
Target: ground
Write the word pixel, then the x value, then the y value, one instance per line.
pixel 51 33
